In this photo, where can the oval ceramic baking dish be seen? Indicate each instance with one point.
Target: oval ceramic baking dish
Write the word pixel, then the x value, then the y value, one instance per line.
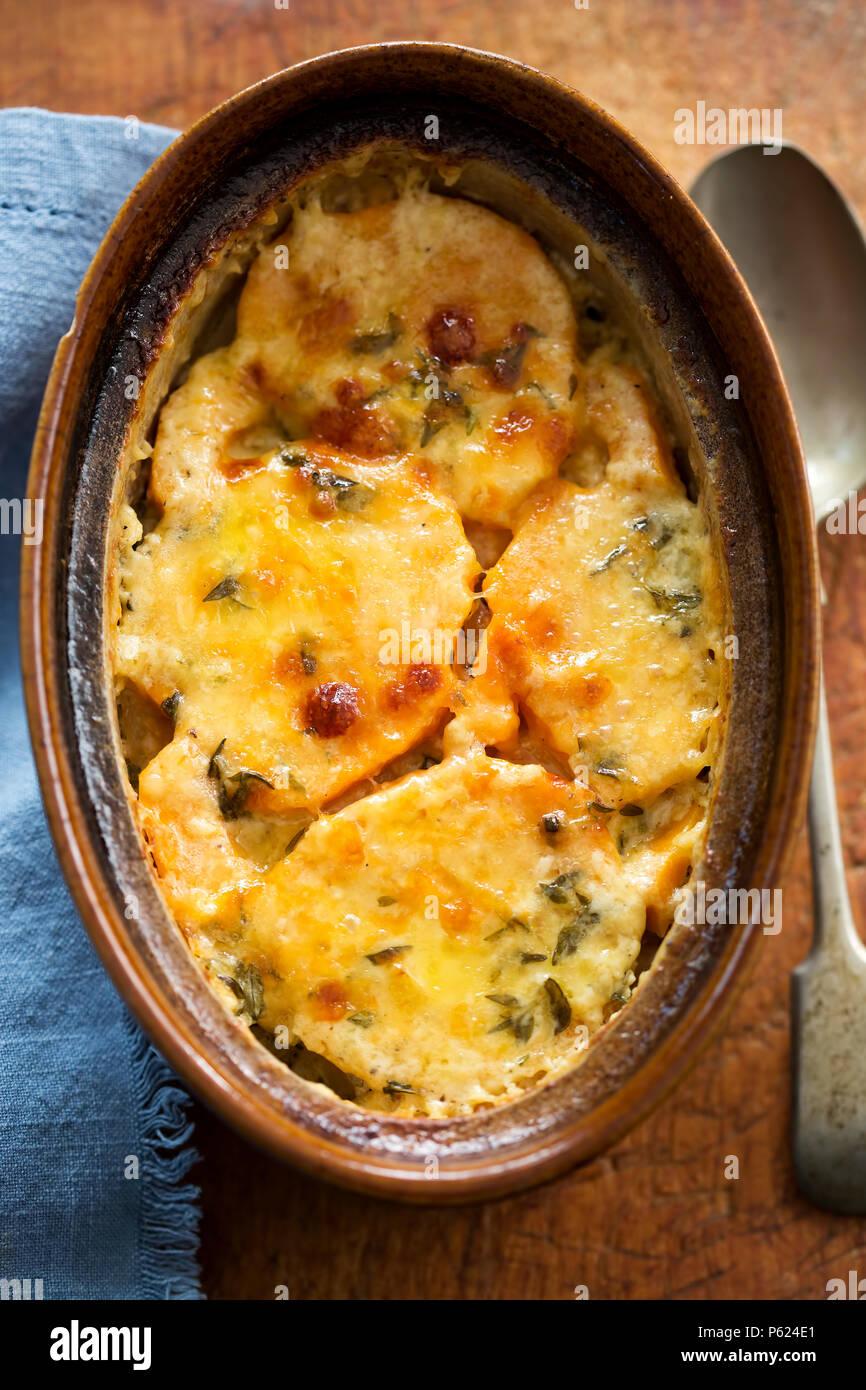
pixel 551 161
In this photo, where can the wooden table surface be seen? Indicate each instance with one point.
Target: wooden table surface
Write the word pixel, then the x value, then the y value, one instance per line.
pixel 655 1217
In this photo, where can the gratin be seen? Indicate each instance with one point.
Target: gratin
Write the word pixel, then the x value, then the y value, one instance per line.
pixel 418 658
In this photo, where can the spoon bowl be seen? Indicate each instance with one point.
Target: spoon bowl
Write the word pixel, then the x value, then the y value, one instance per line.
pixel 802 254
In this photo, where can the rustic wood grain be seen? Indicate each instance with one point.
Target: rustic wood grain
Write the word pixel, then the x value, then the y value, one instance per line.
pixel 656 1217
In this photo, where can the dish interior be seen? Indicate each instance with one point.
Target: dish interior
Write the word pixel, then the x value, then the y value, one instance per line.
pixel 419 635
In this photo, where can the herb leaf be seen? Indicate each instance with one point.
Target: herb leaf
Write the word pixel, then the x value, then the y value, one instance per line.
pixel 562 888
pixel 385 956
pixel 213 767
pixel 608 560
pixel 522 1027
pixel 170 706
pixel 378 341
pixel 234 787
pixel 295 840
pixel 293 457
pixel 573 933
pixel 608 768
pixel 560 1009
pixel 674 602
pixel 348 494
pixel 227 588
pixel 246 984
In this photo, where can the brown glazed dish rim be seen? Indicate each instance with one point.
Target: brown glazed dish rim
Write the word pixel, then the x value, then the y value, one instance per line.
pixel 489 1170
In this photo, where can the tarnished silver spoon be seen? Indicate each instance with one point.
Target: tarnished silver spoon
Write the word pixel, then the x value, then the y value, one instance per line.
pixel 803 256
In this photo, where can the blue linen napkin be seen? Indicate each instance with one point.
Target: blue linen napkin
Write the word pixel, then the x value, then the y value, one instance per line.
pixel 94 1134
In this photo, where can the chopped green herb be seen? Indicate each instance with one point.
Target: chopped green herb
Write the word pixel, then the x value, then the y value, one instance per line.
pixel 388 954
pixel 523 1026
pixel 232 802
pixel 507 1001
pixel 608 560
pixel 573 933
pixel 227 588
pixel 662 530
pixel 430 428
pixel 293 457
pixel 362 1019
pixel 562 889
pixel 246 984
pixel 296 839
pixel 545 395
pixel 213 767
pixel 560 1009
pixel 170 706
pixel 674 602
pixel 235 787
pixel 505 363
pixel 513 924
pixel 607 768
pixel 378 341
pixel 394 1088
pixel 349 495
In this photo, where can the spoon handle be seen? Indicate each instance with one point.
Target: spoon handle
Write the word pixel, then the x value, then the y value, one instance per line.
pixel 835 930
pixel 828 995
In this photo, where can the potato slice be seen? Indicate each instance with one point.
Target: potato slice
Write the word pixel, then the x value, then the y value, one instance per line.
pixel 204 422
pixel 458 933
pixel 606 628
pixel 429 324
pixel 200 871
pixel 300 621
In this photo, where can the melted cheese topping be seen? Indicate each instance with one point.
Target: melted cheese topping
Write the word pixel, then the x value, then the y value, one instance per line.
pixel 413 829
pixel 427 324
pixel 605 619
pixel 283 585
pixel 443 900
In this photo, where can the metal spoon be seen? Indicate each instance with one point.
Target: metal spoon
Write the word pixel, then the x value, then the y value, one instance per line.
pixel 803 255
